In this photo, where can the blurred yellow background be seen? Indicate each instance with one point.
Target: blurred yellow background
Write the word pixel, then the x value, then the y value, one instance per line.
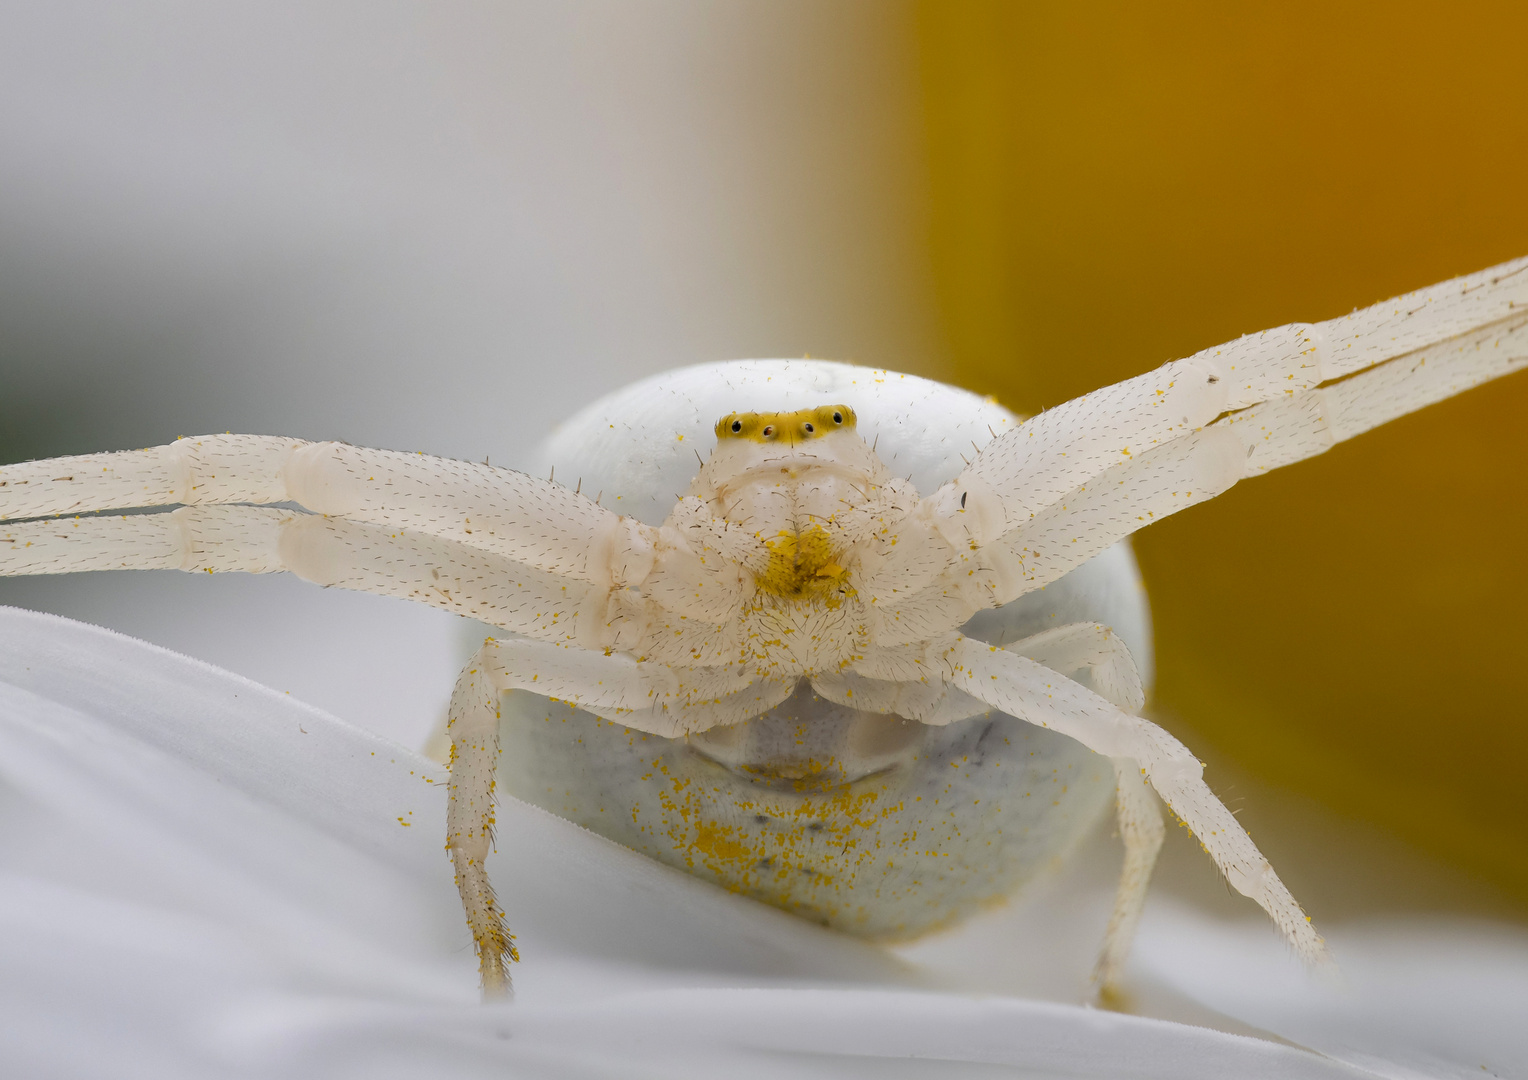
pixel 1116 185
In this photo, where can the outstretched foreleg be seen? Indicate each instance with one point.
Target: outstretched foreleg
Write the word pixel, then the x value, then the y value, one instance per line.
pixel 1471 325
pixel 1047 496
pixel 532 521
pixel 329 552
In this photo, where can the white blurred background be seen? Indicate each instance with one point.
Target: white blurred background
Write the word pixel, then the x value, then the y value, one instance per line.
pixel 435 227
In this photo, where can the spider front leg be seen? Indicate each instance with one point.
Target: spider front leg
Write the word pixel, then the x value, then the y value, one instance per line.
pixel 1048 495
pixel 533 522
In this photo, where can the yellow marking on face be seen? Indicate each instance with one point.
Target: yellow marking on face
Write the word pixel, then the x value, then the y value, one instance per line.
pixel 802 567
pixel 786 427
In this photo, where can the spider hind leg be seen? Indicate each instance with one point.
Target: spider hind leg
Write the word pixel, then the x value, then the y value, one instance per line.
pixel 1025 689
pixel 1142 832
pixel 1090 647
pixel 474 730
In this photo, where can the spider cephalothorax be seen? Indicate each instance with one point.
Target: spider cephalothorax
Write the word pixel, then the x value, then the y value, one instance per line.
pixel 794 479
pixel 788 497
pixel 835 567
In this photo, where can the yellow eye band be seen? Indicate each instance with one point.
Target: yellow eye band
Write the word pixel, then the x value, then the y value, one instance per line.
pixel 786 427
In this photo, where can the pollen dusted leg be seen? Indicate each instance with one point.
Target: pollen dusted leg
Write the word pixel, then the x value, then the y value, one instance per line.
pixel 473 726
pixel 474 729
pixel 1044 497
pixel 646 697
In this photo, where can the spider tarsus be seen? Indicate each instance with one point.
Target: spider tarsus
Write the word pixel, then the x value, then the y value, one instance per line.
pixel 1111 997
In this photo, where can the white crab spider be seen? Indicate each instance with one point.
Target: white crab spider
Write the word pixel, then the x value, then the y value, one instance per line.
pixel 800 578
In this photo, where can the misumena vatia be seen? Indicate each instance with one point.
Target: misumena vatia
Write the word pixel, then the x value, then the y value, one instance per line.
pixel 777 645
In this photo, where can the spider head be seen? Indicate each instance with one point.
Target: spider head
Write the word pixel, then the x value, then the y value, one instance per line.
pixel 784 472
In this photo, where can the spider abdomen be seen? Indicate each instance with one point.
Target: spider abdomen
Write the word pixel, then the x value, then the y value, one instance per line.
pixel 953 821
pixel 775 562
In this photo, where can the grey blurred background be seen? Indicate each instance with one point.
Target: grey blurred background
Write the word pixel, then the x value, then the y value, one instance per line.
pixel 433 227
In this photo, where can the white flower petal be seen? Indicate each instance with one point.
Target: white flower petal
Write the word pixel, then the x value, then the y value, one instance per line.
pixel 1413 998
pixel 205 878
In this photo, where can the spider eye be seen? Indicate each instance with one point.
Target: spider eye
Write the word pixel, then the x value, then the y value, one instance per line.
pixel 838 418
pixel 809 428
pixel 769 431
pixel 737 425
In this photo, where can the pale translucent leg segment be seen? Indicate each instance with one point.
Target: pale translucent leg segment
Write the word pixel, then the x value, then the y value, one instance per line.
pixel 344 554
pixel 473 726
pixel 659 698
pixel 1286 360
pixel 928 702
pixel 1114 676
pixel 213 538
pixel 1093 646
pixel 901 686
pixel 1423 318
pixel 721 710
pixel 929 578
pixel 329 552
pixel 1028 690
pixel 656 698
pixel 1205 464
pixel 1282 432
pixel 1064 650
pixel 1025 470
pixel 1067 534
pixel 531 521
pixel 647 697
pixel 1471 326
pixel 211 469
pixel 1142 832
pixel 1023 688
